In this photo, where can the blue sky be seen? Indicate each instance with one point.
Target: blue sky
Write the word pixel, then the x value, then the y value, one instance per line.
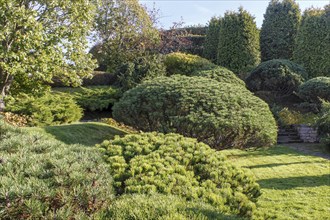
pixel 196 12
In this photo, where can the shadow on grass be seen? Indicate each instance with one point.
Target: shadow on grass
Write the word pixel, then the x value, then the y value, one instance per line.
pixel 293 182
pixel 212 214
pixel 280 164
pixel 87 134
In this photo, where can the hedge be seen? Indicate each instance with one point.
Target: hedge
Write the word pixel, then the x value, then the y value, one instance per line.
pixel 172 164
pixel 238 48
pixel 279 30
pixel 312 48
pixel 222 115
pixel 280 76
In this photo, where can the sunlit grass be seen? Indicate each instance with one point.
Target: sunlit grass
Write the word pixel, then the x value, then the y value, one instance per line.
pixel 294 185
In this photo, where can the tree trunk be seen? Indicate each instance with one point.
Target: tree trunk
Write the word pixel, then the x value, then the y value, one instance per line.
pixel 5 83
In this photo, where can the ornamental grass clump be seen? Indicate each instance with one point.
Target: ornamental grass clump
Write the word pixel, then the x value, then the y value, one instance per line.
pixel 42 178
pixel 222 115
pixel 171 164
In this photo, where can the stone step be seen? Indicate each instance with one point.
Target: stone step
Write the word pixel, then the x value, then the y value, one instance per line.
pixel 288 134
pixel 289 142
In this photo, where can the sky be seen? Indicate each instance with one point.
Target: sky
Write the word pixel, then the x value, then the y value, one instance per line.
pixel 194 12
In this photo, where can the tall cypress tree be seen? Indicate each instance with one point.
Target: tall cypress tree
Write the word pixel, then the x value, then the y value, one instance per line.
pixel 313 42
pixel 238 48
pixel 279 30
pixel 212 39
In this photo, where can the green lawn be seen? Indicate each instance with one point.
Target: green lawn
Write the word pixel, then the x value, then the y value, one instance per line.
pixel 87 134
pixel 294 185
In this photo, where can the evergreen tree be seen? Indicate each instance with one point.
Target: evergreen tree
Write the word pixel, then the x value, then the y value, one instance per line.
pixel 238 48
pixel 313 42
pixel 279 30
pixel 212 39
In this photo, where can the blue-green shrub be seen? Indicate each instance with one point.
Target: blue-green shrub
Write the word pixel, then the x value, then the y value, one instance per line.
pixel 222 115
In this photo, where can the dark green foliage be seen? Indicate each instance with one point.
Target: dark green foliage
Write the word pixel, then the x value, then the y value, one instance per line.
pixel 279 30
pixel 212 39
pixel 172 164
pixel 94 98
pixel 220 74
pixel 100 78
pixel 323 123
pixel 143 68
pixel 42 178
pixel 313 44
pixel 48 109
pixel 185 64
pixel 238 48
pixel 166 207
pixel 222 115
pixel 280 76
pixel 315 89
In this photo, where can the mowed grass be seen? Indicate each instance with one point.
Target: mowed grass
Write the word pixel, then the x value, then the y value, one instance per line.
pixel 88 133
pixel 294 185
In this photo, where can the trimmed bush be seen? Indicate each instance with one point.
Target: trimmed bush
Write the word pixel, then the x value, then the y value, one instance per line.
pixel 323 123
pixel 93 98
pixel 220 74
pixel 165 207
pixel 279 30
pixel 172 164
pixel 280 76
pixel 315 89
pixel 312 42
pixel 100 78
pixel 222 115
pixel 238 48
pixel 49 109
pixel 212 39
pixel 42 178
pixel 143 68
pixel 185 64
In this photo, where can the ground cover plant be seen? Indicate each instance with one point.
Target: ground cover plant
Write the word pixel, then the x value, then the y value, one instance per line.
pixel 172 164
pixel 47 109
pixel 42 178
pixel 293 185
pixel 185 64
pixel 222 115
pixel 280 76
pixel 92 98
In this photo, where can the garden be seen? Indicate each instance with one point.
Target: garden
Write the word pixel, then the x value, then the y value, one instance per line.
pixel 188 122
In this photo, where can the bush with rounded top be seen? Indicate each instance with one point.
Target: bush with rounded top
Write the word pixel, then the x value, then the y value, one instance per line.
pixel 315 89
pixel 185 64
pixel 280 76
pixel 172 164
pixel 222 115
pixel 220 74
pixel 48 109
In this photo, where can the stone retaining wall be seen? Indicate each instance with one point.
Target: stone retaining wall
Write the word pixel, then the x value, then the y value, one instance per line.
pixel 307 133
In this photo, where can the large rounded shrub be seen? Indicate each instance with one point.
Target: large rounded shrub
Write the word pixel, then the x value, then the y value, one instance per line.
pixel 42 178
pixel 280 76
pixel 222 115
pixel 315 89
pixel 48 109
pixel 220 74
pixel 185 64
pixel 172 164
